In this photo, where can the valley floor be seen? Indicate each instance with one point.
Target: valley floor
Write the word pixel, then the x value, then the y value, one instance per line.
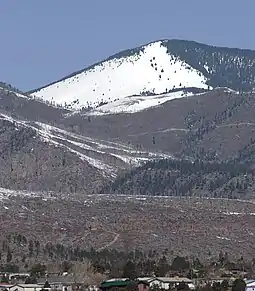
pixel 187 226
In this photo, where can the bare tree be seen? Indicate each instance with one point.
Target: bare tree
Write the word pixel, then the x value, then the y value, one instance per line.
pixel 84 274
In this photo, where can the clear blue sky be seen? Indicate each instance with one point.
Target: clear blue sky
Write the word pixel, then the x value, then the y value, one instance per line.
pixel 44 40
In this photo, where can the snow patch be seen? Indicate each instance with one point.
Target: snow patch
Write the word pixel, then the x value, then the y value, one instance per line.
pixel 133 104
pixel 239 213
pixel 223 238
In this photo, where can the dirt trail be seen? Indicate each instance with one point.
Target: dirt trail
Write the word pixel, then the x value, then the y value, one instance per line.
pixel 116 237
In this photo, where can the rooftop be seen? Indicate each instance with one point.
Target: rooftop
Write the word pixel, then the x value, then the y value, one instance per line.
pixel 29 285
pixel 146 279
pixel 249 281
pixel 173 279
pixel 116 283
pixel 116 279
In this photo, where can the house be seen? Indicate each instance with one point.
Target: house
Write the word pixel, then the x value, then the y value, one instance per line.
pixel 26 287
pixel 167 282
pixel 206 281
pixel 58 283
pixel 146 279
pixel 15 276
pixel 18 276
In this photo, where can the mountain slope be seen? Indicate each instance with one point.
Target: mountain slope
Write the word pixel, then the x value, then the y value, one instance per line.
pixel 105 158
pixel 158 67
pixel 217 126
pixel 28 162
pixel 39 148
pixel 223 67
pixel 184 178
pixel 211 125
pixel 148 69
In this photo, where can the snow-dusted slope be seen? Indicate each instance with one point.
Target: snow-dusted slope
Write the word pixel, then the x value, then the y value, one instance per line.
pixel 132 104
pixel 148 69
pixel 106 156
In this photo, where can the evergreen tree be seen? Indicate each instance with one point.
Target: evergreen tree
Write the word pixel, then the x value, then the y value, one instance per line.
pixel 31 248
pixel 4 279
pixel 38 270
pixel 180 263
pixel 129 270
pixel 9 256
pixel 46 285
pixel 163 267
pixel 239 285
pixel 31 280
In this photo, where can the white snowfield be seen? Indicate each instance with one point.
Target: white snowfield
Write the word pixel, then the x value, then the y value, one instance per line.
pixel 151 69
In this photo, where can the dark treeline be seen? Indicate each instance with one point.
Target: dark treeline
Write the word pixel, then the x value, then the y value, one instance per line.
pixel 186 178
pixel 18 251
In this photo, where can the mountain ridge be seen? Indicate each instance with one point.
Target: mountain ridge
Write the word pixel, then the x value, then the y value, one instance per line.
pixel 118 78
pixel 32 131
pixel 155 68
pixel 116 55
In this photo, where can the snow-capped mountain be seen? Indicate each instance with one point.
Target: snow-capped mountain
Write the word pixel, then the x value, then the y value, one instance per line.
pixel 149 69
pixel 154 69
pixel 63 151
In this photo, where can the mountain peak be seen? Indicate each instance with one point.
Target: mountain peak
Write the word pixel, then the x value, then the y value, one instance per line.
pixel 155 68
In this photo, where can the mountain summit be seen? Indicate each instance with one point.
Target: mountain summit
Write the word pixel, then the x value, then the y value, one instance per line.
pixel 159 67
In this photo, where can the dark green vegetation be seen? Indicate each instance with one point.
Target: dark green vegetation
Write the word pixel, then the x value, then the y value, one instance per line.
pixel 185 178
pixel 225 67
